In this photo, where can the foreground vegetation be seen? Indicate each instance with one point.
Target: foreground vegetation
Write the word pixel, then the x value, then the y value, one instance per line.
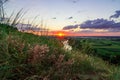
pixel 26 56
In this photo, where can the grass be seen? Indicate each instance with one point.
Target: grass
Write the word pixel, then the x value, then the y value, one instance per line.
pixel 25 56
pixel 108 49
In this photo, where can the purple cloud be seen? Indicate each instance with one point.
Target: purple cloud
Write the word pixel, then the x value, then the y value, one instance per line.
pixel 102 24
pixel 70 17
pixel 116 15
pixel 70 27
pixel 98 24
pixel 75 1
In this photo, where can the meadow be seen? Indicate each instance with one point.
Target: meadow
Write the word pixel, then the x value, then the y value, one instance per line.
pixel 107 48
pixel 25 56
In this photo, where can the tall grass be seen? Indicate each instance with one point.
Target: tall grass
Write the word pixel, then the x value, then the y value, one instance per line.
pixel 2 11
pixel 17 18
pixel 26 56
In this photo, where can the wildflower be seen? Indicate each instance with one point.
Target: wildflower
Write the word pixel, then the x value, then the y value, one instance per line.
pixel 66 46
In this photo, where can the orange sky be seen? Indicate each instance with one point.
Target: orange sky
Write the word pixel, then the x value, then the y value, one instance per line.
pixel 69 33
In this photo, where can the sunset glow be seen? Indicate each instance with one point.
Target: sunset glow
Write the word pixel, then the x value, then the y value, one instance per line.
pixel 60 34
pixel 70 15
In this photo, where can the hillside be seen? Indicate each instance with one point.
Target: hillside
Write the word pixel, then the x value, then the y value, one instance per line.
pixel 25 56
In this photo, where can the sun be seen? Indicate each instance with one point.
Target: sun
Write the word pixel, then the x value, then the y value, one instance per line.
pixel 60 34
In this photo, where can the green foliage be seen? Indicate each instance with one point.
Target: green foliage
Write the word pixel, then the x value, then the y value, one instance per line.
pixel 83 45
pixel 26 56
pixel 107 49
pixel 116 74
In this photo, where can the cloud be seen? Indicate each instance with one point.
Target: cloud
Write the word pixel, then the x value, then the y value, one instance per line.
pixel 27 27
pixel 54 18
pixel 75 1
pixel 86 31
pixel 97 25
pixel 70 27
pixel 116 15
pixel 70 17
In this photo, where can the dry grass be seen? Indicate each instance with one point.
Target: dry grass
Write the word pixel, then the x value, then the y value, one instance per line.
pixel 37 53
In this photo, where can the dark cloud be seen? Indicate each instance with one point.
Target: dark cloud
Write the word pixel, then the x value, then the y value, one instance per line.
pixel 70 17
pixel 116 15
pixel 75 1
pixel 54 18
pixel 70 27
pixel 98 24
pixel 26 27
pixel 102 24
pixel 86 31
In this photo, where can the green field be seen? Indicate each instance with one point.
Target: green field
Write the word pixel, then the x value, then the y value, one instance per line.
pixel 106 48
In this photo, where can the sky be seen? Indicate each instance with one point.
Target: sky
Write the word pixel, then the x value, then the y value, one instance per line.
pixel 95 17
